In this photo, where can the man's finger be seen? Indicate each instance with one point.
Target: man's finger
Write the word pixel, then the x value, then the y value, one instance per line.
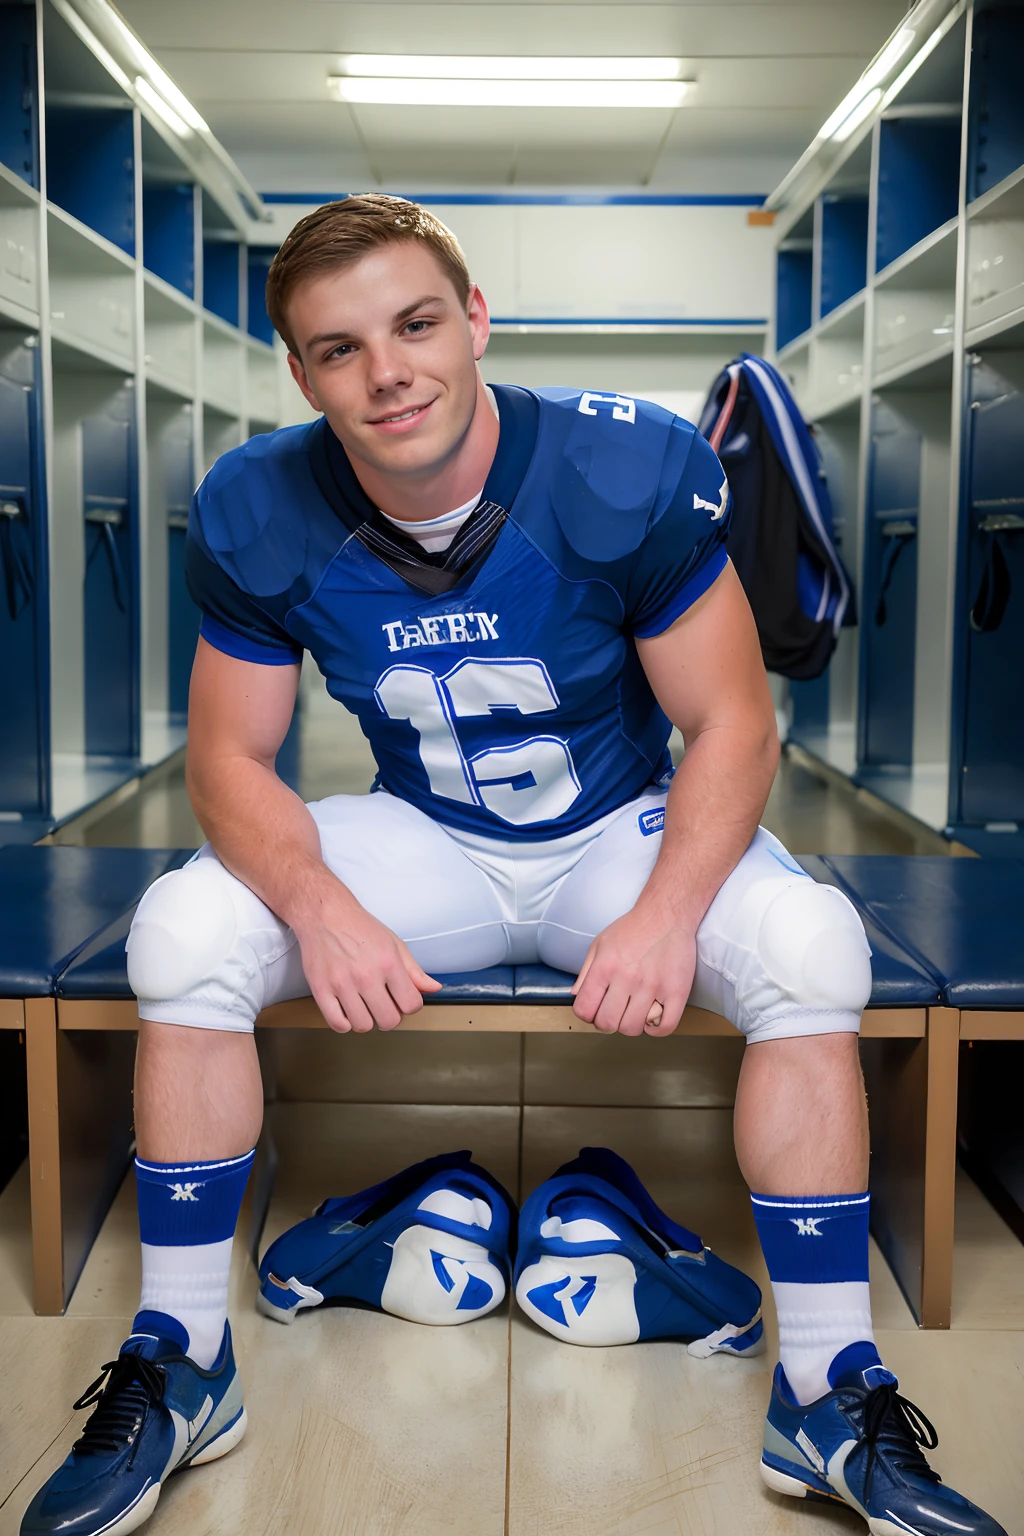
pixel 417 975
pixel 407 997
pixel 636 1012
pixel 356 1011
pixel 382 1006
pixel 584 970
pixel 590 994
pixel 668 1020
pixel 331 1010
pixel 613 1005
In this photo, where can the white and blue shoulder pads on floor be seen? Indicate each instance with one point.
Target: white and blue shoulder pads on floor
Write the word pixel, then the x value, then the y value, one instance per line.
pixel 599 1263
pixel 433 1244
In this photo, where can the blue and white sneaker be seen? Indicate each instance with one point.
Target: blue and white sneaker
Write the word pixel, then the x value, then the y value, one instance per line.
pixel 600 1264
pixel 155 1412
pixel 433 1245
pixel 862 1444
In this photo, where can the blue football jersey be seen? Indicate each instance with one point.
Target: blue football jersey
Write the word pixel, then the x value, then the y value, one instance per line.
pixel 514 704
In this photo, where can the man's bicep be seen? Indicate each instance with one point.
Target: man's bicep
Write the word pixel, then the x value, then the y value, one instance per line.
pixel 706 668
pixel 238 708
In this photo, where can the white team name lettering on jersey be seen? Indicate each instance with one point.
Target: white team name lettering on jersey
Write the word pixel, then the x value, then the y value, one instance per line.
pixel 443 629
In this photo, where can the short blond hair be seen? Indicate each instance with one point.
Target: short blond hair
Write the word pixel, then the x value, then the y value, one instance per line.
pixel 338 234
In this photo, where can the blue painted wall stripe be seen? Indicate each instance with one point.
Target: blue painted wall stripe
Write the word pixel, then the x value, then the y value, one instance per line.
pixel 549 199
pixel 618 320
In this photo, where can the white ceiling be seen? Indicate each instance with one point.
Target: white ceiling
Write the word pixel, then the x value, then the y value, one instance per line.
pixel 767 75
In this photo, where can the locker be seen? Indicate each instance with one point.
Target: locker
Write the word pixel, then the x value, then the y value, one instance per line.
pixel 22 568
pixel 108 472
pixel 992 772
pixel 182 613
pixel 19 147
pixel 889 614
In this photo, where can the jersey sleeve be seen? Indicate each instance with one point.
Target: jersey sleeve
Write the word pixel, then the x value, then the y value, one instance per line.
pixel 683 553
pixel 233 621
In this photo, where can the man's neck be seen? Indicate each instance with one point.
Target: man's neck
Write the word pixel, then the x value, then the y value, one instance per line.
pixel 417 498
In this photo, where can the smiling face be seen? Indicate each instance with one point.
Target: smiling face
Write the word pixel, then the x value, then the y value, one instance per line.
pixel 388 352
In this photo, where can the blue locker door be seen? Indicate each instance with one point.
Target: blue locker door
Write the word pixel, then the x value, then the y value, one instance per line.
pixel 111 728
pixel 889 615
pixel 182 613
pixel 21 693
pixel 992 782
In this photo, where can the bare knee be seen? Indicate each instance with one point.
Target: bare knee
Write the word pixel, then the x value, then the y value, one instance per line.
pixel 198 1092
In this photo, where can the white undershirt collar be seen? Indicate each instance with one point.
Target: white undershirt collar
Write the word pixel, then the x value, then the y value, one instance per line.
pixel 434 534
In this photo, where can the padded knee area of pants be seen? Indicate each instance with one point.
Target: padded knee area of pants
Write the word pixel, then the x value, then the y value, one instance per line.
pixel 184 929
pixel 813 946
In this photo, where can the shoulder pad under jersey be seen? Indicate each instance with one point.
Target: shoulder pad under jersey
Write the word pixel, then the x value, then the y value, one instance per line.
pixel 250 510
pixel 606 462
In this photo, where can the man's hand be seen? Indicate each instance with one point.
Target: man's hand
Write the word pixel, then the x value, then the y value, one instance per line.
pixel 639 964
pixel 359 973
pixel 707 674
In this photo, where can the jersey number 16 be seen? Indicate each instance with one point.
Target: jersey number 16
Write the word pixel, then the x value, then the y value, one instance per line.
pixel 528 781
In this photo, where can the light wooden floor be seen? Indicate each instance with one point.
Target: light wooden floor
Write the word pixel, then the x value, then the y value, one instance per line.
pixel 363 1425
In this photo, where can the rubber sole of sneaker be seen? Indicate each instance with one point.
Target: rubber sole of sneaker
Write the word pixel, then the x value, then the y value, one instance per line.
pixel 222 1443
pixel 220 1446
pixel 781 1482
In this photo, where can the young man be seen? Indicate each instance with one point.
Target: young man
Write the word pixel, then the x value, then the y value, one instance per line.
pixel 515 593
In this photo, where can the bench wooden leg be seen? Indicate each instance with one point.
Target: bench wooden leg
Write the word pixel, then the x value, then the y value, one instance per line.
pixel 95 1071
pixel 44 1155
pixel 940 1167
pixel 912 1105
pixel 80 1140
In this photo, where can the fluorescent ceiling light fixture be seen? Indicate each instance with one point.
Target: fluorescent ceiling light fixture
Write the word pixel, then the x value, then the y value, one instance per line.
pixel 509 93
pixel 158 79
pixel 176 98
pixel 887 59
pixel 927 47
pixel 153 99
pixel 860 113
pixel 419 66
pixel 847 115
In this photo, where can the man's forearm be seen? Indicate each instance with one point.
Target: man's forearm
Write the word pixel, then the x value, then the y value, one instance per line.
pixel 264 834
pixel 714 804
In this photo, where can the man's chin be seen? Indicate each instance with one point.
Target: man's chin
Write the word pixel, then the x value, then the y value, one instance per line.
pixel 418 453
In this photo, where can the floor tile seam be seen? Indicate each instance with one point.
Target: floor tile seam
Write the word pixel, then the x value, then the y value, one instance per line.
pixel 30 1469
pixel 508 1423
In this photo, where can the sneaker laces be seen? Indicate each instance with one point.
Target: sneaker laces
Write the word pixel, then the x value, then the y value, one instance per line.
pixel 896 1427
pixel 123 1392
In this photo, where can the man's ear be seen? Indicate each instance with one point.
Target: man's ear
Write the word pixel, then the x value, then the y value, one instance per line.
pixel 479 321
pixel 298 373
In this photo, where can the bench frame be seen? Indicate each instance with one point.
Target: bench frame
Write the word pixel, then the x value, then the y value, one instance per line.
pixel 80 1055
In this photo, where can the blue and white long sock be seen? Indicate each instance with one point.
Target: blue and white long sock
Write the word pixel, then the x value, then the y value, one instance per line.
pixel 187 1216
pixel 816 1249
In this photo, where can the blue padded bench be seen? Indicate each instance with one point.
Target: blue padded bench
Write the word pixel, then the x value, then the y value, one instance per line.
pixel 963 921
pixel 54 901
pixel 93 995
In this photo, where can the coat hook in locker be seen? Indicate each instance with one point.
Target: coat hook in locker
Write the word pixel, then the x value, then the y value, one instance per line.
pixel 18 584
pixel 107 519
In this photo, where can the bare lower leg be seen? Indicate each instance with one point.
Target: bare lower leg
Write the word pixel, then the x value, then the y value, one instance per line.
pixel 198 1093
pixel 801 1121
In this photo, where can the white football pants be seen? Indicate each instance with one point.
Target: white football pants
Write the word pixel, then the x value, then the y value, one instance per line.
pixel 777 954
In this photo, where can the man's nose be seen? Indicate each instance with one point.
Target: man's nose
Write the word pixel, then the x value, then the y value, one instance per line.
pixel 387 368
